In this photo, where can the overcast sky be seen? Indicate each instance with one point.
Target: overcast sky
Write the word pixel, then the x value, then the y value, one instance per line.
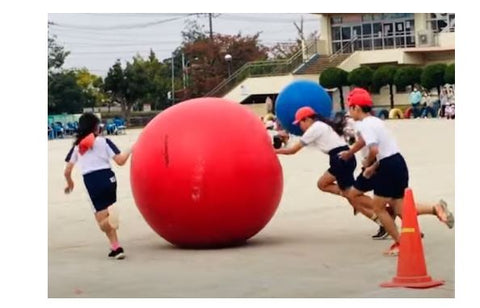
pixel 97 40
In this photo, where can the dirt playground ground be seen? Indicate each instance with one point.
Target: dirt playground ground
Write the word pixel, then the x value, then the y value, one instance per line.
pixel 312 248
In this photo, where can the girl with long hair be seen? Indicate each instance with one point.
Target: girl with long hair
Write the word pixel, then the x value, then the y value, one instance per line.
pixel 93 154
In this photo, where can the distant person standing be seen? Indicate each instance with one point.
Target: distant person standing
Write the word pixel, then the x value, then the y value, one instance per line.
pixel 415 99
pixel 443 101
pixel 427 105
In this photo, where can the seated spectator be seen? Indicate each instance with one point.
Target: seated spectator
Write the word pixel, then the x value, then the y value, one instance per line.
pixel 450 111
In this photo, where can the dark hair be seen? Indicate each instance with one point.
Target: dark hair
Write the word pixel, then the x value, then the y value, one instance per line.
pixel 337 126
pixel 366 109
pixel 87 124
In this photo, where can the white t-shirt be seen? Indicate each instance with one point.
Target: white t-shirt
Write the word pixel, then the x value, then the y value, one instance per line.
pixel 363 151
pixel 322 137
pixel 374 131
pixel 96 158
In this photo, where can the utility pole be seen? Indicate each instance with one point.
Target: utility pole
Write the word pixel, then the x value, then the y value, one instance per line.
pixel 183 70
pixel 173 79
pixel 210 22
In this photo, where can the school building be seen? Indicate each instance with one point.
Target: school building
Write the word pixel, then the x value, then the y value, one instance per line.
pixel 351 40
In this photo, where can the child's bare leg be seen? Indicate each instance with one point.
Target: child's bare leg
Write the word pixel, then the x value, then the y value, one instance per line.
pixel 362 203
pixel 327 183
pixel 438 209
pixel 379 206
pixel 104 224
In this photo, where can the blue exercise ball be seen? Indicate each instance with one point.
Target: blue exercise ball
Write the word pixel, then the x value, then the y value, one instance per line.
pixel 297 94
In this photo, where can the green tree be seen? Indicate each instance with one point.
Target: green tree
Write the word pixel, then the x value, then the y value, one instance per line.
pixel 64 94
pixel 143 81
pixel 137 84
pixel 193 32
pixel 92 87
pixel 433 76
pixel 361 77
pixel 115 84
pixel 56 54
pixel 159 82
pixel 407 76
pixel 450 74
pixel 334 77
pixel 208 66
pixel 384 75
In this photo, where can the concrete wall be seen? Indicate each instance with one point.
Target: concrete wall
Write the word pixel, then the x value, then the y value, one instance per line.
pixel 446 39
pixel 372 57
pixel 103 109
pixel 263 85
pixel 326 35
pixel 420 23
pixel 447 57
pixel 413 58
pixel 323 47
pixel 398 56
pixel 259 109
pixel 258 85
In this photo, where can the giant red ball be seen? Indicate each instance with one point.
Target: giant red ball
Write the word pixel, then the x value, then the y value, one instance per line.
pixel 204 174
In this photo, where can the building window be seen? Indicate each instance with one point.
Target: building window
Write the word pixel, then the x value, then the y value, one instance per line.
pixel 377 30
pixel 337 46
pixel 346 33
pixel 367 29
pixel 336 35
pixel 367 44
pixel 371 33
pixel 437 22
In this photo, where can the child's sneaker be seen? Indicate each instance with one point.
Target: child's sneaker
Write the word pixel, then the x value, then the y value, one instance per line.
pixel 443 214
pixel 393 250
pixel 381 234
pixel 117 253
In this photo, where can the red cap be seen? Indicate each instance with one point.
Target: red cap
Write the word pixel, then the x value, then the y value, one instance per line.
pixel 359 97
pixel 302 113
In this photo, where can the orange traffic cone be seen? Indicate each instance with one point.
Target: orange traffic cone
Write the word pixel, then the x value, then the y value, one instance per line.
pixel 411 268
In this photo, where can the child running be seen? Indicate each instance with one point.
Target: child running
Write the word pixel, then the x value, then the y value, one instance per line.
pixel 93 153
pixel 390 169
pixel 326 137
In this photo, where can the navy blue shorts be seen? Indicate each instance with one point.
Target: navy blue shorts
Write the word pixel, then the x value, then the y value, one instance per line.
pixel 363 184
pixel 341 169
pixel 391 177
pixel 102 188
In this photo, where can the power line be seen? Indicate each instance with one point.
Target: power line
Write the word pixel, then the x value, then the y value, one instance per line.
pixel 100 44
pixel 123 39
pixel 132 15
pixel 263 18
pixel 117 51
pixel 116 27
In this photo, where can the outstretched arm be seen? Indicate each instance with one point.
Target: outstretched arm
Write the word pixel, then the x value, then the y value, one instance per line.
pixel 122 158
pixel 290 150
